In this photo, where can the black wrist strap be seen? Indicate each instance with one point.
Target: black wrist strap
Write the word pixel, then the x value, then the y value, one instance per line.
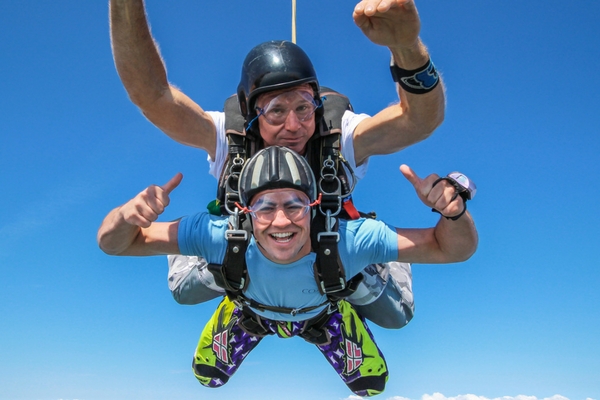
pixel 417 81
pixel 458 191
pixel 456 216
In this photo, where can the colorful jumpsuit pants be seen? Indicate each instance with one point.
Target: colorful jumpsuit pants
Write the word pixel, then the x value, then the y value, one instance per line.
pixel 352 351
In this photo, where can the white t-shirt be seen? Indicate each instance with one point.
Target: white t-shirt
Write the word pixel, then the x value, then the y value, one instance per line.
pixel 350 121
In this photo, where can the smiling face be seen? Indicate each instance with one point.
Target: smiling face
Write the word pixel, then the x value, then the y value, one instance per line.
pixel 292 132
pixel 281 224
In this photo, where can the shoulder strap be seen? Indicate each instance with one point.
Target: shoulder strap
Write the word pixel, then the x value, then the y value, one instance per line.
pixel 324 155
pixel 232 273
pixel 335 105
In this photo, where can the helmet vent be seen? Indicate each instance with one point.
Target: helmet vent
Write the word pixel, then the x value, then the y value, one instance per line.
pixel 293 169
pixel 255 182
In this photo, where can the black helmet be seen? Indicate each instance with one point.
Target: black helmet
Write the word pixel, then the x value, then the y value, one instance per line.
pixel 273 65
pixel 276 167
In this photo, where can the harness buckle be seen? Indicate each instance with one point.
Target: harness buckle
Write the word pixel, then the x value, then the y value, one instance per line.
pixel 332 307
pixel 326 235
pixel 333 288
pixel 239 302
pixel 236 234
pixel 234 224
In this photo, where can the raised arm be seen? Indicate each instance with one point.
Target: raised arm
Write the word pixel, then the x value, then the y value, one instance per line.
pixel 450 240
pixel 130 230
pixel 396 25
pixel 144 76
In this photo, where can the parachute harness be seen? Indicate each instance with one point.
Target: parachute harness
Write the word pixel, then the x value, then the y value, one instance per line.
pixel 335 182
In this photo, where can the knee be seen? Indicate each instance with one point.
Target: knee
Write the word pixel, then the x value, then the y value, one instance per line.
pixel 396 319
pixel 208 375
pixel 386 312
pixel 367 386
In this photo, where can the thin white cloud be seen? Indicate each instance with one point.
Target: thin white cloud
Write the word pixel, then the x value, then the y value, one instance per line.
pixel 439 396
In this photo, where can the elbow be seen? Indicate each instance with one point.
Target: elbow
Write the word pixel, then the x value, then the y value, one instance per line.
pixel 467 252
pixel 109 246
pixel 429 123
pixel 143 100
pixel 148 96
pixel 464 257
pixel 111 251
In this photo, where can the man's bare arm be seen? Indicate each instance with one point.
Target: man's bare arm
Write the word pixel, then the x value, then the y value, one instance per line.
pixel 130 230
pixel 396 25
pixel 144 76
pixel 450 240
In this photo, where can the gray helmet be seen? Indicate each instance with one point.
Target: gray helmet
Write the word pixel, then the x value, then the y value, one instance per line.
pixel 273 65
pixel 276 167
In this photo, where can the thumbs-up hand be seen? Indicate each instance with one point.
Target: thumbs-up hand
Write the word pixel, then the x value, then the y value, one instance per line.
pixel 145 208
pixel 441 197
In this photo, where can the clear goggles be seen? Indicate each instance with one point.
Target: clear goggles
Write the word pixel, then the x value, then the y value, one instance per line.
pixel 294 204
pixel 277 110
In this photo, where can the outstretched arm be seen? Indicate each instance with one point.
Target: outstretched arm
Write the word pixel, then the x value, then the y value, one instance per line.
pixel 144 76
pixel 130 230
pixel 450 241
pixel 396 25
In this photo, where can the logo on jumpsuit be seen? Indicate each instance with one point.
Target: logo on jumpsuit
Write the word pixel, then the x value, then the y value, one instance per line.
pixel 352 346
pixel 221 337
pixel 220 347
pixel 354 357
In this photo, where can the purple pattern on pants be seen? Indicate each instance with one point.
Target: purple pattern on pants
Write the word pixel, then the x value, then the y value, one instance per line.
pixel 345 350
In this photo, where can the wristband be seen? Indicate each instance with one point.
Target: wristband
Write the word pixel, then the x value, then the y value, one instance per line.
pixel 418 81
pixel 463 186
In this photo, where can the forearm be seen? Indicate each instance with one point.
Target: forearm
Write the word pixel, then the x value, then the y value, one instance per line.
pixel 116 235
pixel 144 76
pixel 447 242
pixel 411 120
pixel 425 111
pixel 136 55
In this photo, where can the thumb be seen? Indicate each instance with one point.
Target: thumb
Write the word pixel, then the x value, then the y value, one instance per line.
pixel 173 183
pixel 410 175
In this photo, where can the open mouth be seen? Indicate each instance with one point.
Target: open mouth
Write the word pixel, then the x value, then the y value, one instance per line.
pixel 283 237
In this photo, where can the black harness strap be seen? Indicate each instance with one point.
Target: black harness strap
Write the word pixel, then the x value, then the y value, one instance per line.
pixel 323 154
pixel 232 274
pixel 244 302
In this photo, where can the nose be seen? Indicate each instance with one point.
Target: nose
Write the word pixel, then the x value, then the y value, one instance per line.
pixel 280 219
pixel 292 123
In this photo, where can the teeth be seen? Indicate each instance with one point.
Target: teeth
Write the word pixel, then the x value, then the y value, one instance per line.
pixel 281 237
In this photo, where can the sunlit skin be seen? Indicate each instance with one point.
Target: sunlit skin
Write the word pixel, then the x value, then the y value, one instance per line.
pixel 293 133
pixel 282 241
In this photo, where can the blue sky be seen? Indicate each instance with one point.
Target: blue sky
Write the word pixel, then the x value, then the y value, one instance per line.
pixel 520 318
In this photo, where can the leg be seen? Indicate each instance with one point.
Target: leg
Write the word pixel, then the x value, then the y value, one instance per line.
pixel 222 347
pixel 190 281
pixel 385 295
pixel 353 352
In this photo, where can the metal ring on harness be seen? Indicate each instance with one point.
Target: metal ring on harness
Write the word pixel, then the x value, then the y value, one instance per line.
pixel 232 184
pixel 332 199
